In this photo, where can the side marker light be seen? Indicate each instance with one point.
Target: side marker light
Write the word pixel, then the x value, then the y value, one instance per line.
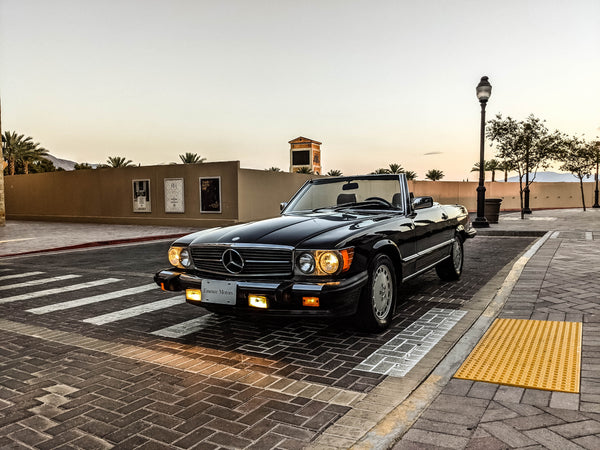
pixel 310 301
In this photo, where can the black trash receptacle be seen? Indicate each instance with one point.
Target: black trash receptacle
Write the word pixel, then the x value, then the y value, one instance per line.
pixel 492 209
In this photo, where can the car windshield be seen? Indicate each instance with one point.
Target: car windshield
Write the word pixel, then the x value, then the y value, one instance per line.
pixel 348 193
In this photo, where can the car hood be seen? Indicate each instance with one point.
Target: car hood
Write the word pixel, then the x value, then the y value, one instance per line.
pixel 290 230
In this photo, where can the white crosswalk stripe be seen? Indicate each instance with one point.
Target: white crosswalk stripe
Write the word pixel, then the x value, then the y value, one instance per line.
pixel 135 311
pixel 43 293
pixel 185 328
pixel 19 275
pixel 89 300
pixel 38 282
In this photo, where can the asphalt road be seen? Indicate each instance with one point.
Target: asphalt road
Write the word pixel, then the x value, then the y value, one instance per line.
pixel 107 294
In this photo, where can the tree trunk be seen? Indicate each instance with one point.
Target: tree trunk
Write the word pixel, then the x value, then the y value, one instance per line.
pixel 505 175
pixel 493 176
pixel 26 168
pixel 582 196
pixel 521 196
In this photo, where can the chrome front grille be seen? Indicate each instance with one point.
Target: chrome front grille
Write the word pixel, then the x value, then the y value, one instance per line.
pixel 258 260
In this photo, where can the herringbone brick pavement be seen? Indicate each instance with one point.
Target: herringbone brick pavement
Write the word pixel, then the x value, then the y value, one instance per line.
pixel 560 282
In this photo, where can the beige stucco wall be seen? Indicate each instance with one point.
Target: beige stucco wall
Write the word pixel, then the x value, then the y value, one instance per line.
pixel 542 195
pixel 261 192
pixel 106 195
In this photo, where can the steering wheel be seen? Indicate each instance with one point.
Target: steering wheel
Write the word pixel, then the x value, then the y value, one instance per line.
pixel 380 200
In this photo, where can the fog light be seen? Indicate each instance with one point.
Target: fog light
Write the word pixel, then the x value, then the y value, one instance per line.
pixel 310 301
pixel 258 301
pixel 195 295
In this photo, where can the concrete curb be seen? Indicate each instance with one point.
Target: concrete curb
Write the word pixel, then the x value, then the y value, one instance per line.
pixel 99 244
pixel 387 432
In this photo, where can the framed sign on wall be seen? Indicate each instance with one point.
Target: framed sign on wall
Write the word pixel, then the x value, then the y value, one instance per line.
pixel 210 195
pixel 174 195
pixel 141 196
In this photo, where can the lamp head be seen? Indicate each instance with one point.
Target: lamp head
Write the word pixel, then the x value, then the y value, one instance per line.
pixel 484 90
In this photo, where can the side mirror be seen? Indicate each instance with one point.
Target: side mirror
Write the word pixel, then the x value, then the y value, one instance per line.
pixel 422 202
pixel 282 205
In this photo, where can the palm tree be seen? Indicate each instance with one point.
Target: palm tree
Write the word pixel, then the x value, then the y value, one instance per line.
pixel 31 153
pixel 334 173
pixel 118 161
pixel 489 166
pixel 304 169
pixel 410 175
pixel 191 158
pixel 13 147
pixel 273 169
pixel 395 168
pixel 380 171
pixel 434 175
pixel 82 166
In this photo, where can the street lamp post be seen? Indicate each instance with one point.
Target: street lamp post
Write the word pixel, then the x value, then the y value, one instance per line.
pixel 596 205
pixel 483 90
pixel 526 209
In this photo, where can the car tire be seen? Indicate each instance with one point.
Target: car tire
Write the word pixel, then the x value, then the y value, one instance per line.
pixel 451 268
pixel 378 298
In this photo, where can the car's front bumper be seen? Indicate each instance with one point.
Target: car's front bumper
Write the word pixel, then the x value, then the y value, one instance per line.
pixel 336 298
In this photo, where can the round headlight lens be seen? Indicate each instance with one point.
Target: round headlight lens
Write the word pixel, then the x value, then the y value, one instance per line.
pixel 329 262
pixel 174 253
pixel 184 257
pixel 306 263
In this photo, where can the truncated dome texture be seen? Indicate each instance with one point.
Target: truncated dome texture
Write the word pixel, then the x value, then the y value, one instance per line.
pixel 533 354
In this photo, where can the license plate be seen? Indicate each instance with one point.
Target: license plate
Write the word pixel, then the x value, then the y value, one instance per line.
pixel 220 292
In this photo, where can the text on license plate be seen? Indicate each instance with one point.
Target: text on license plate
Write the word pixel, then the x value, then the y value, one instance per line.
pixel 221 292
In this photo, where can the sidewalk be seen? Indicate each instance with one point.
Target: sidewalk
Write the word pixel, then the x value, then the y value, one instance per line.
pixel 556 280
pixel 21 237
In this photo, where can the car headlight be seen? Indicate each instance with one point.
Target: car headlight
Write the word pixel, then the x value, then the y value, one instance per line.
pixel 324 262
pixel 329 262
pixel 180 257
pixel 306 263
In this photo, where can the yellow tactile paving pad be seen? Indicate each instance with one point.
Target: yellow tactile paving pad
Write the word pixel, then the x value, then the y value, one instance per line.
pixel 534 354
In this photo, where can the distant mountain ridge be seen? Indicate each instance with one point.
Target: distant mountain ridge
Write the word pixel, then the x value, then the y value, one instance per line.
pixel 64 164
pixel 550 177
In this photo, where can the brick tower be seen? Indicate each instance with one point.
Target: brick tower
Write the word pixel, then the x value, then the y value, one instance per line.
pixel 305 152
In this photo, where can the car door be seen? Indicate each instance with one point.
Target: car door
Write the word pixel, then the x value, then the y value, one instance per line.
pixel 431 236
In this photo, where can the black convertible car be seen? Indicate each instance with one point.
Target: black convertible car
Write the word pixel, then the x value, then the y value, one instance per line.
pixel 342 246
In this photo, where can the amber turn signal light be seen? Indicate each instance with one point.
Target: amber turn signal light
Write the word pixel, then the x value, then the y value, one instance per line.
pixel 310 301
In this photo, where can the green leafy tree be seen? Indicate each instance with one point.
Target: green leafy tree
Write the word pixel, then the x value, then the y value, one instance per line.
pixel 119 161
pixel 579 157
pixel 273 169
pixel 525 146
pixel 334 173
pixel 304 169
pixel 191 158
pixel 434 175
pixel 82 166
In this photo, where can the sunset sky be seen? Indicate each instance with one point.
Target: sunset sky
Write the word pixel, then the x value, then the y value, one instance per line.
pixel 377 82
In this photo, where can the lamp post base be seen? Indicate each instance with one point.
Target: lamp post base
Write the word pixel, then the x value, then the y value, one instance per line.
pixel 480 222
